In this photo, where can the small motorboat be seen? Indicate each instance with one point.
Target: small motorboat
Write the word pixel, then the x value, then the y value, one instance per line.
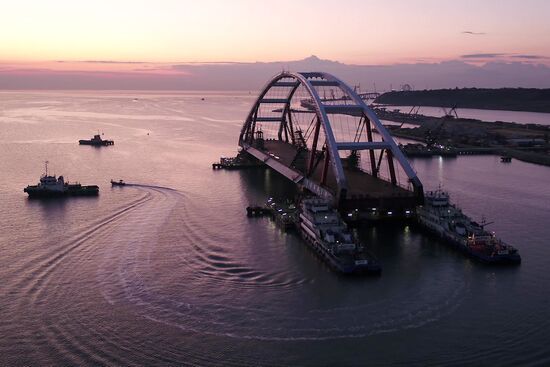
pixel 118 183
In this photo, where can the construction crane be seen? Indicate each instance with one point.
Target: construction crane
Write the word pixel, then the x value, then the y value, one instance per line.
pixel 449 113
pixel 414 110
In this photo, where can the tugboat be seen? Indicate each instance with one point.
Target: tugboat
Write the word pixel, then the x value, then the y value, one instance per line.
pixel 118 183
pixel 52 186
pixel 96 141
pixel 284 213
pixel 324 231
pixel 448 222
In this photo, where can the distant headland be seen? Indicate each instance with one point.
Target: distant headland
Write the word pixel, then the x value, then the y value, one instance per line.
pixel 511 99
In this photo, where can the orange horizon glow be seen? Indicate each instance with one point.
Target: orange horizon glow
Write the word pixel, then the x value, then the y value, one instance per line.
pixel 180 44
pixel 352 32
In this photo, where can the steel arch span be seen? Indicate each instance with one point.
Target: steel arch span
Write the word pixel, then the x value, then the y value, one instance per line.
pixel 324 155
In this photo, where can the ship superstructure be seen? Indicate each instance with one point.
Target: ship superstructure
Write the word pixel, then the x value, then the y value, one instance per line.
pixel 96 141
pixel 322 228
pixel 51 186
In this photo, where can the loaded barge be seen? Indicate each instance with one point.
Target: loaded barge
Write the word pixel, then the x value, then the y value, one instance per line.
pixel 448 222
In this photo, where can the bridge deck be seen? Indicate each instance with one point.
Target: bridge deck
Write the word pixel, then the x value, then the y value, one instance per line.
pixel 364 190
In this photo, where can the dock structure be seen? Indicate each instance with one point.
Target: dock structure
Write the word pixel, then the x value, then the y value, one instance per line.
pixel 338 150
pixel 242 160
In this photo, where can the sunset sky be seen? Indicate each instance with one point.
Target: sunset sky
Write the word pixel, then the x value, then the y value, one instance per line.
pixel 145 36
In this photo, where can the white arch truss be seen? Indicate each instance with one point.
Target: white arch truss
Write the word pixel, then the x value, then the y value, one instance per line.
pixel 354 106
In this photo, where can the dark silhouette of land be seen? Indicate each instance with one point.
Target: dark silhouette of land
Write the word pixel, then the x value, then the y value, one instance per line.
pixel 511 99
pixel 250 76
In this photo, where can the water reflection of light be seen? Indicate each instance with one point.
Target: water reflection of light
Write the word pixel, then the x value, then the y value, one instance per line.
pixel 440 168
pixel 267 180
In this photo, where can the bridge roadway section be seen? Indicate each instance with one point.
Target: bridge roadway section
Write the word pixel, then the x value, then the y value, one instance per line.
pixel 365 192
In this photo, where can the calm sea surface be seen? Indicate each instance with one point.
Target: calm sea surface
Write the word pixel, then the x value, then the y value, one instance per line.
pixel 170 271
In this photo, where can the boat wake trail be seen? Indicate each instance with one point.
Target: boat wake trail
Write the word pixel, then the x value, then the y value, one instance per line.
pixel 167 261
pixel 176 268
pixel 149 186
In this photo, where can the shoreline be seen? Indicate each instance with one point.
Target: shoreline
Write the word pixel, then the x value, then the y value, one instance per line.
pixel 524 156
pixel 499 99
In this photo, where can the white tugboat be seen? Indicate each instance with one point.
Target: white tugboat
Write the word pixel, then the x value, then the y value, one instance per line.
pixel 52 186
pixel 448 222
pixel 325 232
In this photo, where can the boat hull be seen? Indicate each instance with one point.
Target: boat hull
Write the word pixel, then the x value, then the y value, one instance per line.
pixel 95 143
pixel 455 242
pixel 371 268
pixel 36 192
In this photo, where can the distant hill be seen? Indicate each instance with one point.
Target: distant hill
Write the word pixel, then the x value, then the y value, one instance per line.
pixel 251 76
pixel 512 99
